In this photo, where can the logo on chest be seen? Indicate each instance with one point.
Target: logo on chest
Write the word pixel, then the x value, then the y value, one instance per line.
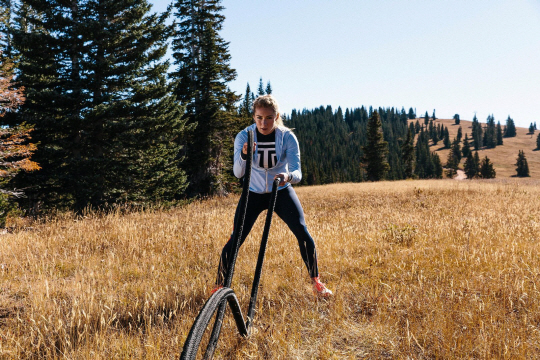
pixel 267 154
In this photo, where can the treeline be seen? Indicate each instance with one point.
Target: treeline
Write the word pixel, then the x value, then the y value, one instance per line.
pixel 334 144
pixel 113 123
pixel 338 146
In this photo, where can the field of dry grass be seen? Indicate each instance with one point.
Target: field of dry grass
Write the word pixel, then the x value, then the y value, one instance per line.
pixel 420 269
pixel 503 157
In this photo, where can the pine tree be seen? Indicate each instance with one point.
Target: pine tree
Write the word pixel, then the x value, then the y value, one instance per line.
pixel 412 114
pixel 260 90
pixel 245 107
pixel 452 165
pixel 104 115
pixel 538 142
pixel 417 126
pixel 412 128
pixel 426 119
pixel 456 150
pixel 490 134
pixel 7 12
pixel 522 167
pixel 437 165
pixel 499 134
pixel 202 74
pixel 407 153
pixel 459 134
pixel 446 139
pixel 403 116
pixel 456 119
pixel 510 129
pixel 433 116
pixel 470 167
pixel 268 88
pixel 476 159
pixel 376 149
pixel 531 129
pixel 477 137
pixel 435 137
pixel 244 110
pixel 466 149
pixel 486 169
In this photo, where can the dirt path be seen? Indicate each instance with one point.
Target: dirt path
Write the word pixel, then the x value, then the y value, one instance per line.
pixel 460 175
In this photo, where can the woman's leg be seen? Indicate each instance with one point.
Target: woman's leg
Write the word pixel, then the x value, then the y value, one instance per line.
pixel 290 211
pixel 256 204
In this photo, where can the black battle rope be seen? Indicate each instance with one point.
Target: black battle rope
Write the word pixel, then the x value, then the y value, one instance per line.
pixel 237 235
pixel 217 300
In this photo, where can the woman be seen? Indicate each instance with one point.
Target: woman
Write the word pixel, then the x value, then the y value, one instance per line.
pixel 276 155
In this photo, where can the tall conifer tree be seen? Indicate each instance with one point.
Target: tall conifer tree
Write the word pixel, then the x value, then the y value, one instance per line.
pixel 268 88
pixel 245 108
pixel 510 129
pixel 244 111
pixel 375 150
pixel 451 164
pixel 476 133
pixel 470 167
pixel 486 169
pixel 490 133
pixel 466 149
pixel 411 114
pixel 446 139
pixel 412 129
pixel 437 166
pixel 103 111
pixel 499 134
pixel 456 150
pixel 477 162
pixel 522 167
pixel 407 153
pixel 202 74
pixel 260 90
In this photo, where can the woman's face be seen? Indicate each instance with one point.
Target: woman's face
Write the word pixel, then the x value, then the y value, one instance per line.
pixel 265 119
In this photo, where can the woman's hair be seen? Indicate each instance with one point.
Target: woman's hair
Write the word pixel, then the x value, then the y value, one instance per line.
pixel 269 102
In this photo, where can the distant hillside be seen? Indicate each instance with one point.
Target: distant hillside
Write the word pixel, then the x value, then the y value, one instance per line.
pixel 503 157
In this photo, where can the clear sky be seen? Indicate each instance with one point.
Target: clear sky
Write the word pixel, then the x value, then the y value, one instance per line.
pixel 454 56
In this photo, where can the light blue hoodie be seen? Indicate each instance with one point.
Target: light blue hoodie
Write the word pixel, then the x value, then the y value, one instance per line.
pixel 287 157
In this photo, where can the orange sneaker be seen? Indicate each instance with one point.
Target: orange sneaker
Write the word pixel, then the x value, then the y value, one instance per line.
pixel 216 289
pixel 320 289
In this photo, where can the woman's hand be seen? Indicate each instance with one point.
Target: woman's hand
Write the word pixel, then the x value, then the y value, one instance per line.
pixel 244 149
pixel 283 178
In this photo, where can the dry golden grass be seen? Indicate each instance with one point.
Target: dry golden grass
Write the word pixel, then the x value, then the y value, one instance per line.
pixel 420 269
pixel 503 157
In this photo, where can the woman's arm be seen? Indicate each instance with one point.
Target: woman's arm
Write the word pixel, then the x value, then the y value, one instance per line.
pixel 239 166
pixel 293 158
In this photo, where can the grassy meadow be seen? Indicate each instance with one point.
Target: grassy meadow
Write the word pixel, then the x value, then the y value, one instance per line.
pixel 503 157
pixel 433 269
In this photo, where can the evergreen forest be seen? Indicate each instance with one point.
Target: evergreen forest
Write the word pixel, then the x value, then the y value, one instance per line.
pixel 108 120
pixel 332 144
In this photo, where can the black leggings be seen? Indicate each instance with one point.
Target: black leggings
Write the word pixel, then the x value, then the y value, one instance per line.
pixel 288 208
